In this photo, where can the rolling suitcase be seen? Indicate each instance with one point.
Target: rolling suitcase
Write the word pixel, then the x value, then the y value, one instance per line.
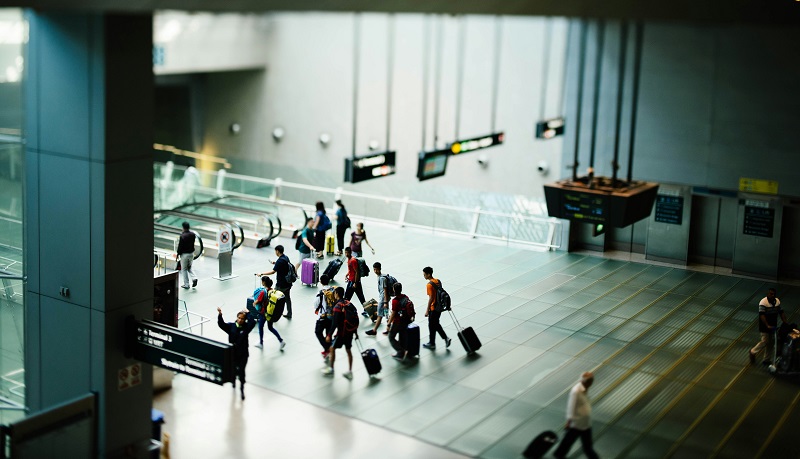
pixel 309 272
pixel 330 245
pixel 370 357
pixel 371 308
pixel 467 336
pixel 411 343
pixel 541 445
pixel 333 268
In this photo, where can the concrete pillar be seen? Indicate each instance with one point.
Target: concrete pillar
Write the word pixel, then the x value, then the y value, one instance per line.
pixel 88 102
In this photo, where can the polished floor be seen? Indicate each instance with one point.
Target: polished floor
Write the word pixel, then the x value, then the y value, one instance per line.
pixel 668 347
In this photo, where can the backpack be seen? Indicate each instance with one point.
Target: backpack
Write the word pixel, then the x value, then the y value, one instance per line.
pixel 299 242
pixel 442 298
pixel 325 301
pixel 324 223
pixel 346 221
pixel 389 287
pixel 291 276
pixel 261 308
pixel 350 316
pixel 406 311
pixel 363 269
pixel 277 300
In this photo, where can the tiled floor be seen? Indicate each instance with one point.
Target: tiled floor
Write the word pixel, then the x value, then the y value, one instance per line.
pixel 668 347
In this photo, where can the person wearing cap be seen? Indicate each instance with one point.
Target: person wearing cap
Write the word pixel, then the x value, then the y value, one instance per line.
pixel 579 412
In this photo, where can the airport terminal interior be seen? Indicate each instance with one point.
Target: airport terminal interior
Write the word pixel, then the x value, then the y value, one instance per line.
pixel 594 193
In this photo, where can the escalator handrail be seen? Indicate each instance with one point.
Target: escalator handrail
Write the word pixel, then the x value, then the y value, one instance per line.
pixel 237 242
pixel 244 210
pixel 178 231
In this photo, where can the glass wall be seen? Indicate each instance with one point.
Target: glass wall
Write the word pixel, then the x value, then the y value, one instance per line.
pixel 13 35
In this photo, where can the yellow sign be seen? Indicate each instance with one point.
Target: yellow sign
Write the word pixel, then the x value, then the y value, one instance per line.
pixel 758 185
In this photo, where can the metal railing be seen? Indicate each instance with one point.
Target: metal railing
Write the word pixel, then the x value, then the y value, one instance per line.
pixel 185 313
pixel 532 231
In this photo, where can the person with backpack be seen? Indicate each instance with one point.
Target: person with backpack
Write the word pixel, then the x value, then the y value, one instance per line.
pixel 345 324
pixel 385 292
pixel 358 237
pixel 304 243
pixel 353 278
pixel 342 223
pixel 324 310
pixel 237 335
pixel 434 310
pixel 321 224
pixel 402 314
pixel 262 298
pixel 285 276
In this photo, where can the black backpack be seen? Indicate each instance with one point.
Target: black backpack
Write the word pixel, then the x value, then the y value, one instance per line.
pixel 363 269
pixel 442 298
pixel 350 317
pixel 389 287
pixel 291 275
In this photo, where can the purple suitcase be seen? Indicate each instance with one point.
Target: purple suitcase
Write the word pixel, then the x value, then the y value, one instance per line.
pixel 309 272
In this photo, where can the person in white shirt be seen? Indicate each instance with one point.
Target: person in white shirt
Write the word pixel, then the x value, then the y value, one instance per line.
pixel 579 413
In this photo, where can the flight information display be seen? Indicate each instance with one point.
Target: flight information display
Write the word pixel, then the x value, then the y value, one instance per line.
pixel 584 206
pixel 370 166
pixel 432 164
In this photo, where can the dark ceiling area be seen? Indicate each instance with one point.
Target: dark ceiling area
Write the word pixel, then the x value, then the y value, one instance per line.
pixel 715 11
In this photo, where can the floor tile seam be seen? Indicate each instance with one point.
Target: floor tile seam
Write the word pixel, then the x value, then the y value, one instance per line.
pixel 615 271
pixel 784 417
pixel 515 292
pixel 443 415
pixel 699 288
pixel 656 279
pixel 483 419
pixel 661 377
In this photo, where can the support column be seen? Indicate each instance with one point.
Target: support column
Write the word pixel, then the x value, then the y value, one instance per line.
pixel 88 115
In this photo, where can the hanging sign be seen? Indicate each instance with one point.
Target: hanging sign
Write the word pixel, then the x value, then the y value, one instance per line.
pixel 432 164
pixel 478 143
pixel 758 186
pixel 548 129
pixel 370 166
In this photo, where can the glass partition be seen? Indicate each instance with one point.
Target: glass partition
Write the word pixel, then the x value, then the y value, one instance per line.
pixel 12 269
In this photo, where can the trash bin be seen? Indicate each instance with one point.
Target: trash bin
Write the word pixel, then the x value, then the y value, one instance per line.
pixel 158 418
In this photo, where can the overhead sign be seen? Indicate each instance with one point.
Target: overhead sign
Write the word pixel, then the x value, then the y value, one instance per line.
pixel 432 164
pixel 170 348
pixel 478 143
pixel 548 129
pixel 758 186
pixel 369 166
pixel 584 206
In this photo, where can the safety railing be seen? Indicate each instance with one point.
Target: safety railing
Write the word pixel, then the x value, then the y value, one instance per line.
pixel 185 319
pixel 12 317
pixel 517 228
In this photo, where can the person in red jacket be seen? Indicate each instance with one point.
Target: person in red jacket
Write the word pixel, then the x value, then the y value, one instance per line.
pixel 353 279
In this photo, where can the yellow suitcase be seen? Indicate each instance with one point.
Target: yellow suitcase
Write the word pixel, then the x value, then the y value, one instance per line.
pixel 330 244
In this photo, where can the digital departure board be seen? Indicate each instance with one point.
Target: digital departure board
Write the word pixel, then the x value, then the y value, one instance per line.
pixel 550 128
pixel 669 209
pixel 432 164
pixel 584 206
pixel 370 166
pixel 758 221
pixel 175 350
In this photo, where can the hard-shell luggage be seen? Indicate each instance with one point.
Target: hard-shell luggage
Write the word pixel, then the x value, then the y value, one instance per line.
pixel 467 336
pixel 333 268
pixel 330 245
pixel 370 357
pixel 541 445
pixel 411 343
pixel 309 272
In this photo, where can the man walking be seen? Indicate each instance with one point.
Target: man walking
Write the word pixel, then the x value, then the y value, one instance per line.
pixel 186 256
pixel 434 311
pixel 402 314
pixel 769 309
pixel 237 335
pixel 281 270
pixel 578 419
pixel 384 294
pixel 353 278
pixel 344 333
pixel 325 301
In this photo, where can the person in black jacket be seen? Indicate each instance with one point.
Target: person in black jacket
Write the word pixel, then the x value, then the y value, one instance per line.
pixel 237 335
pixel 186 256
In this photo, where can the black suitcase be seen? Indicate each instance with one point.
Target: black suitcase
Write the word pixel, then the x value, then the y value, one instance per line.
pixel 467 336
pixel 411 344
pixel 541 445
pixel 370 357
pixel 333 268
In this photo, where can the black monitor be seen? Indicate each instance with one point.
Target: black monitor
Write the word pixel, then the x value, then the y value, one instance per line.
pixel 432 164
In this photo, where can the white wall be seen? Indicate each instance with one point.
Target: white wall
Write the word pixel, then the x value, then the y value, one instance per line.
pixel 308 90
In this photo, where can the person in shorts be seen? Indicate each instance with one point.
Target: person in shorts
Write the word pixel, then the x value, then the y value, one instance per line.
pixel 383 300
pixel 342 338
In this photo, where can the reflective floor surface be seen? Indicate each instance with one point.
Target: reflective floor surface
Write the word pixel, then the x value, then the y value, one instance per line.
pixel 668 347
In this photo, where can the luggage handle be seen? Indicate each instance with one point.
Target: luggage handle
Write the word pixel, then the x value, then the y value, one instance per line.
pixel 453 316
pixel 358 344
